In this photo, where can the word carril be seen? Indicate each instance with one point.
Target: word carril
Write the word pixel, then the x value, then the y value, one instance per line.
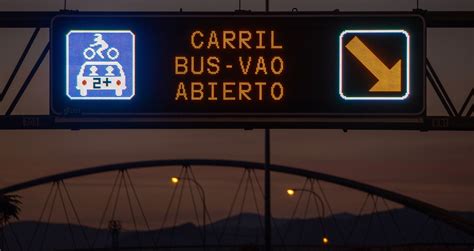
pixel 229 39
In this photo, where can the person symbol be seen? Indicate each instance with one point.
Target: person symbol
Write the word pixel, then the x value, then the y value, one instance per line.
pixel 93 70
pixel 110 70
pixel 99 41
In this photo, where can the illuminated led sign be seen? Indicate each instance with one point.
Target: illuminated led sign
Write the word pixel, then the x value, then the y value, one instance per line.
pixel 393 82
pixel 100 64
pixel 246 65
pixel 250 67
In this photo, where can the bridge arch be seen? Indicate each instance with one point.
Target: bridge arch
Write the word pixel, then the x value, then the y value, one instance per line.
pixel 420 206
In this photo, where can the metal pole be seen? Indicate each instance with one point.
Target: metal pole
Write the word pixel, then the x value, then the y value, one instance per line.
pixel 268 227
pixel 268 211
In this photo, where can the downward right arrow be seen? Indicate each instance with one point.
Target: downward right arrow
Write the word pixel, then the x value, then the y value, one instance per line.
pixel 389 80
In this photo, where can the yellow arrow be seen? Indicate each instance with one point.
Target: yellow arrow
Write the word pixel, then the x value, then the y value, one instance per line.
pixel 390 80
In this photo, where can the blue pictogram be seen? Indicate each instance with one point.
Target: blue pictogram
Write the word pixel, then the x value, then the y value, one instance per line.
pixel 100 64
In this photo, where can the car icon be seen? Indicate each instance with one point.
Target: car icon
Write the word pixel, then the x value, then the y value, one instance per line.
pixel 101 75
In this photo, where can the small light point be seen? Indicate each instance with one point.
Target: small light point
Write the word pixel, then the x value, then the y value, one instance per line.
pixel 174 180
pixel 290 192
pixel 325 240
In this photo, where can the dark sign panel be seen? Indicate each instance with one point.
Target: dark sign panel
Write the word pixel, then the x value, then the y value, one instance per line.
pixel 254 66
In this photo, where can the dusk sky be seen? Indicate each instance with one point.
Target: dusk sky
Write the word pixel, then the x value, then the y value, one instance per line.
pixel 436 167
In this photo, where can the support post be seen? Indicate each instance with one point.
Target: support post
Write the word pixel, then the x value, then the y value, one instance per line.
pixel 268 212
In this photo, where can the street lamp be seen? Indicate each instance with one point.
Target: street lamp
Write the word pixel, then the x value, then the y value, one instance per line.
pixel 176 180
pixel 292 192
pixel 325 240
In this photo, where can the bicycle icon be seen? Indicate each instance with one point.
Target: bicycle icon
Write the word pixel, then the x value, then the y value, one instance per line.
pixel 90 53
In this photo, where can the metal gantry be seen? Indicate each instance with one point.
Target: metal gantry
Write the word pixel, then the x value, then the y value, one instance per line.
pixel 457 119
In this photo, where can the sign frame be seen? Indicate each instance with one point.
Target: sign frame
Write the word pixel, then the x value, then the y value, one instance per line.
pixel 245 117
pixel 407 91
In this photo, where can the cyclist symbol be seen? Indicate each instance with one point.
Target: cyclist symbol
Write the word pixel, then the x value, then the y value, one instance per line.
pixel 89 53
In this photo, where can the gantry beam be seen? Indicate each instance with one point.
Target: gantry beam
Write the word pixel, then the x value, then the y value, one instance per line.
pixel 434 19
pixel 431 123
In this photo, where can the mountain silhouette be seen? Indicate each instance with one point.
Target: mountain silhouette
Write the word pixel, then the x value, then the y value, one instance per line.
pixel 394 227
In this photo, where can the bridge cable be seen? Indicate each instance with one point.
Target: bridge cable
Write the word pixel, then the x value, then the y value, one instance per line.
pixel 114 209
pixel 49 217
pixel 67 217
pixel 321 215
pixel 76 214
pixel 256 206
pixel 392 216
pixel 273 222
pixel 196 214
pixel 132 212
pixel 15 235
pixel 178 205
pixel 357 219
pixel 303 224
pixel 420 230
pixel 379 218
pixel 239 218
pixel 48 197
pixel 140 207
pixel 201 232
pixel 295 210
pixel 231 207
pixel 168 208
pixel 102 218
pixel 207 211
pixel 371 218
pixel 338 228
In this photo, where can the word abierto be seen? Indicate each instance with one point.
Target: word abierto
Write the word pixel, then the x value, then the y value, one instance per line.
pixel 230 91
